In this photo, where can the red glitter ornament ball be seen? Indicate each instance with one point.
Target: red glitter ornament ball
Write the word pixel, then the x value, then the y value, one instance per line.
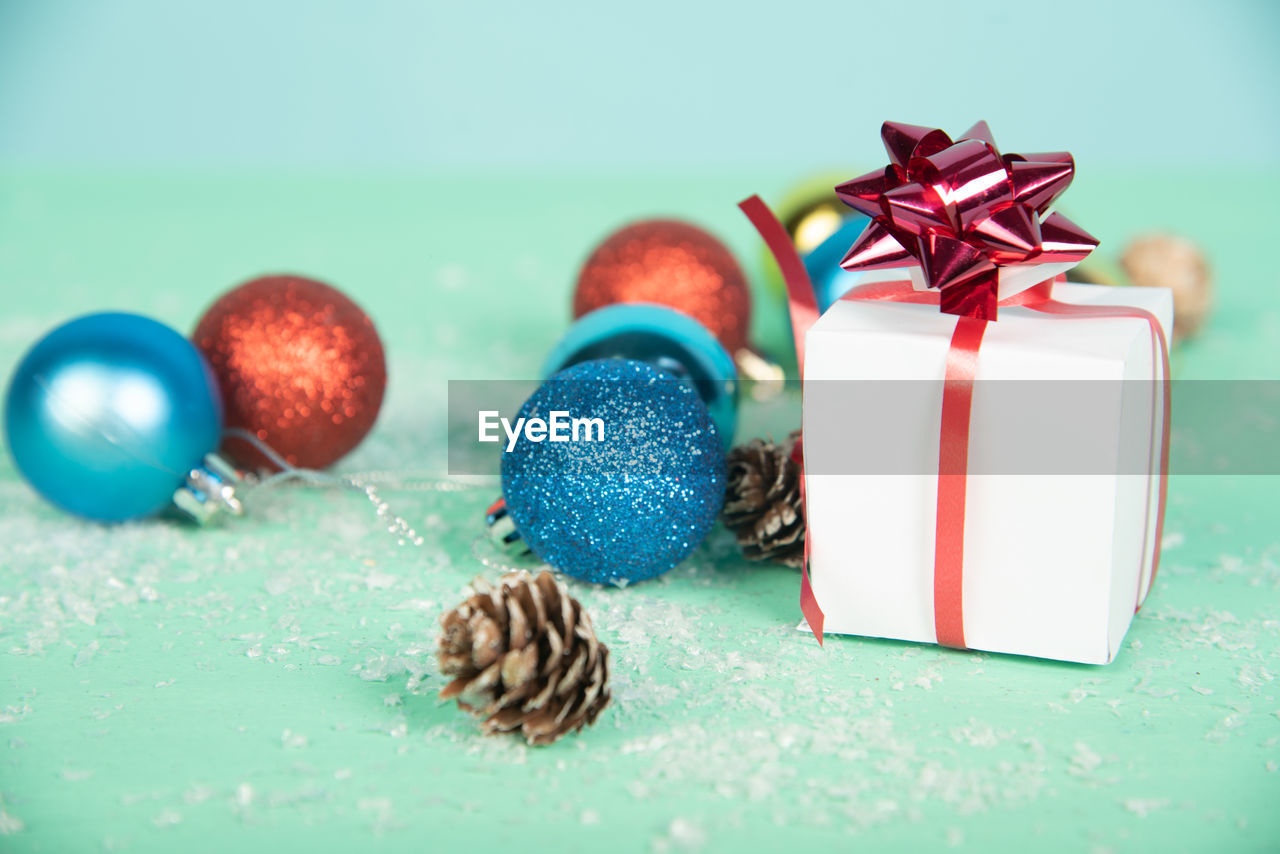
pixel 671 263
pixel 299 364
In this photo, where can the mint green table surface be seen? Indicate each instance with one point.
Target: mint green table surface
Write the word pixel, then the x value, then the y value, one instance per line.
pixel 269 685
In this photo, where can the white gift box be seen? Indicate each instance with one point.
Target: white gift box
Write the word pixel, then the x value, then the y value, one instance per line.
pixel 1056 557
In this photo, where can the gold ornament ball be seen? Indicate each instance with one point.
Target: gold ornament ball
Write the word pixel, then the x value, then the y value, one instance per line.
pixel 811 212
pixel 1169 261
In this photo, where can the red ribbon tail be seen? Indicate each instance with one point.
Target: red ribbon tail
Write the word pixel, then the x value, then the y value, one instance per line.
pixel 1162 499
pixel 808 602
pixel 801 302
pixel 803 306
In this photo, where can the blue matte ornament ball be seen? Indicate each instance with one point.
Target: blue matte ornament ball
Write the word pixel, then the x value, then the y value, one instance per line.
pixel 830 280
pixel 635 503
pixel 107 414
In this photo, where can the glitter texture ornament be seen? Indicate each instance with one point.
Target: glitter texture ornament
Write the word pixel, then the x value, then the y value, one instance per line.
pixel 634 503
pixel 663 337
pixel 671 263
pixel 300 365
pixel 109 415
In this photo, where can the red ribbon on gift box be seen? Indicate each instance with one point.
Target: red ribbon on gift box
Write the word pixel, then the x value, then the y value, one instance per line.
pixel 962 211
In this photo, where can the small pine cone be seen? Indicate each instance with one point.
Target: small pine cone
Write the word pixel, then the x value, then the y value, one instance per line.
pixel 524 656
pixel 1166 261
pixel 762 501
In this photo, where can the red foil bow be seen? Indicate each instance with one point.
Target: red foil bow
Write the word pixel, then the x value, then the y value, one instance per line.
pixel 962 210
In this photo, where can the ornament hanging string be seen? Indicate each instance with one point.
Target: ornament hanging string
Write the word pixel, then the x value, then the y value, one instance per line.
pixel 476 552
pixel 362 483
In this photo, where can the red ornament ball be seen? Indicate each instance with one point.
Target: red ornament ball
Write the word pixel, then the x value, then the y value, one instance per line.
pixel 671 263
pixel 299 364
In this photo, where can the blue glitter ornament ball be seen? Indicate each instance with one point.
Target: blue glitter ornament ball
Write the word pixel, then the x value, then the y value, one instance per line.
pixel 631 505
pixel 107 414
pixel 665 338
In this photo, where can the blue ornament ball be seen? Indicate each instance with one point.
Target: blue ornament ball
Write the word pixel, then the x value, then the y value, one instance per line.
pixel 830 280
pixel 631 504
pixel 107 414
pixel 665 338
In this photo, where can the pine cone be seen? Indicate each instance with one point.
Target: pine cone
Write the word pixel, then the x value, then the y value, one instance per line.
pixel 524 656
pixel 762 501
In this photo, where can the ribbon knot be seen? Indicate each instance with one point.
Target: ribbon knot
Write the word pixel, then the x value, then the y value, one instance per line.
pixel 962 210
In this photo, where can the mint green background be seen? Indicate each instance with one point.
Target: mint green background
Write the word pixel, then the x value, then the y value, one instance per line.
pixel 269 685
